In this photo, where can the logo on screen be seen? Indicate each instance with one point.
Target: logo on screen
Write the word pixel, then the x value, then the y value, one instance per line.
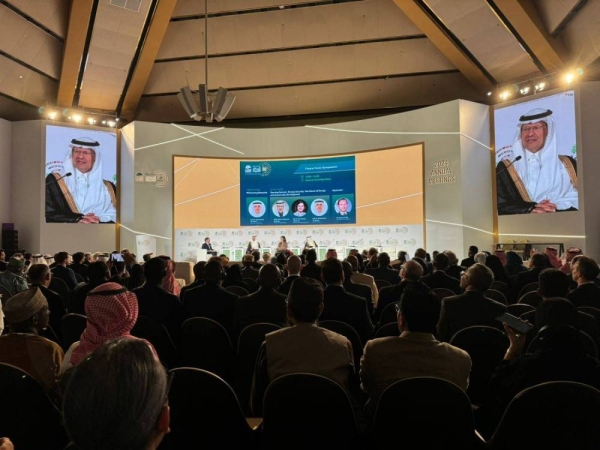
pixel 265 169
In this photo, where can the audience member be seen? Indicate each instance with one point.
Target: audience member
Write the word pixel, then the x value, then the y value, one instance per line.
pixel 537 263
pixel 117 399
pixel 249 271
pixel 234 278
pixel 480 258
pixel 198 278
pixel 341 305
pixel 136 278
pixel 410 273
pixel 3 264
pixel 553 283
pixel 293 266
pixel 471 307
pixel 585 272
pixel 571 253
pixel 155 302
pixel 39 276
pixel 362 278
pixel 415 353
pixel 514 264
pixel 439 279
pixel 211 299
pixel 495 265
pixel 78 265
pixel 12 278
pixel 501 255
pixel 383 270
pixel 98 274
pixel 470 260
pixel 311 269
pixel 111 312
pixel 362 290
pixel 453 270
pixel 421 257
pixel 265 305
pixel 169 283
pixel 62 271
pixel 27 314
pixel 256 257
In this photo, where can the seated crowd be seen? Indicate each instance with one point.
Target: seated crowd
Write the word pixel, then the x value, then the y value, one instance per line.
pixel 403 316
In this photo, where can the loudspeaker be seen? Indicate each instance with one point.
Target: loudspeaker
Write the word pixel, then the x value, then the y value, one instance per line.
pixel 222 104
pixel 186 98
pixel 203 92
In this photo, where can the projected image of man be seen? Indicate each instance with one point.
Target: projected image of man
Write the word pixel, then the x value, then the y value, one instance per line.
pixel 319 207
pixel 342 206
pixel 257 209
pixel 82 195
pixel 538 179
pixel 280 208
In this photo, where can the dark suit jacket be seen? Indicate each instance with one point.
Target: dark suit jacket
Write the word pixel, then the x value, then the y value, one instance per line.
pixel 523 279
pixel 264 305
pixel 388 295
pixel 78 295
pixel 455 270
pixel 250 272
pixel 65 274
pixel 468 262
pixel 212 301
pixel 585 295
pixel 80 269
pixel 162 307
pixel 349 308
pixel 55 305
pixel 362 290
pixel 284 288
pixel 383 273
pixel 439 279
pixel 187 287
pixel 311 270
pixel 466 310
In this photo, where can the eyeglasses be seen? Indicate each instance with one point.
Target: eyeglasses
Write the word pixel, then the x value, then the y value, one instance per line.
pixel 83 152
pixel 535 128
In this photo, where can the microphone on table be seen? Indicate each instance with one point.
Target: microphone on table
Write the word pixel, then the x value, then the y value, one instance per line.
pixel 506 167
pixel 68 174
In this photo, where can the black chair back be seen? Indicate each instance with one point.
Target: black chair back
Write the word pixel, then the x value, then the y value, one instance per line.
pixel 486 346
pixel 391 329
pixel 60 287
pixel 249 342
pixel 302 411
pixel 442 293
pixel 350 333
pixel 27 415
pixel 205 413
pixel 238 290
pixel 51 335
pixel 496 295
pixel 587 323
pixel 531 287
pixel 158 336
pixel 382 283
pixel 588 344
pixel 519 308
pixel 389 314
pixel 252 284
pixel 402 410
pixel 79 278
pixel 591 311
pixel 531 298
pixel 502 287
pixel 72 325
pixel 205 344
pixel 558 414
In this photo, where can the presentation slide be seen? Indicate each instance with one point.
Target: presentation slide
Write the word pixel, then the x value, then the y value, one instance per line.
pixel 383 189
pixel 536 156
pixel 81 175
pixel 315 191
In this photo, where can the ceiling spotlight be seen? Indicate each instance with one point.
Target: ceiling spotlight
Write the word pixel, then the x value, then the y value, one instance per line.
pixel 504 95
pixel 539 87
pixel 569 77
pixel 489 93
pixel 77 117
pixel 52 115
pixel 524 90
pixel 579 72
pixel 91 121
pixel 111 123
pixel 104 122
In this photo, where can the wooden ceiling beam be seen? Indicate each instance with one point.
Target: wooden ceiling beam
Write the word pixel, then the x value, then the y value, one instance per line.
pixel 446 44
pixel 151 46
pixel 79 22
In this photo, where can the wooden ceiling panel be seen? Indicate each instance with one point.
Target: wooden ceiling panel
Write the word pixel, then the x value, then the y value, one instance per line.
pixel 187 8
pixel 15 111
pixel 553 12
pixel 28 43
pixel 582 36
pixel 301 66
pixel 26 85
pixel 52 14
pixel 344 22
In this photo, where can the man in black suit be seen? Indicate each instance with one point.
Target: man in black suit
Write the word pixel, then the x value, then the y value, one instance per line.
pixel 585 272
pixel 453 270
pixel 410 272
pixel 78 266
pixel 439 279
pixel 98 273
pixel 208 247
pixel 472 307
pixel 362 290
pixel 293 266
pixel 198 278
pixel 264 305
pixel 468 262
pixel 210 300
pixel 383 271
pixel 311 269
pixel 341 305
pixel 39 275
pixel 63 272
pixel 248 270
pixel 538 262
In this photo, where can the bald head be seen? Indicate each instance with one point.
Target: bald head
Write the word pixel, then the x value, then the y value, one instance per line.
pixel 294 264
pixel 411 270
pixel 269 276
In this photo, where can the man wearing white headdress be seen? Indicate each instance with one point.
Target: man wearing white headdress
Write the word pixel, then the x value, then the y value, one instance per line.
pixel 538 179
pixel 82 195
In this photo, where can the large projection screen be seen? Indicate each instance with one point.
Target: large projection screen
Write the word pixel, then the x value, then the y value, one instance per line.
pixel 388 204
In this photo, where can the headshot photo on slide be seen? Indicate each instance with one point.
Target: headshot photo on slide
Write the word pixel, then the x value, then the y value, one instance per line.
pixel 257 208
pixel 319 207
pixel 300 208
pixel 343 206
pixel 280 208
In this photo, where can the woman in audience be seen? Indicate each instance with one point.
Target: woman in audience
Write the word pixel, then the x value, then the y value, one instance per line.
pixel 111 312
pixel 117 399
pixel 495 265
pixel 169 283
pixel 137 277
pixel 234 278
pixel 514 264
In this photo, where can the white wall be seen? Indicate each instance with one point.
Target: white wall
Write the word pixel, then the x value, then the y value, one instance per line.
pixel 6 164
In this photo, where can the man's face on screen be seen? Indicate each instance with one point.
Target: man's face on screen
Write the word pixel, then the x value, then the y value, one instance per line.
pixel 343 205
pixel 257 209
pixel 533 136
pixel 319 207
pixel 280 208
pixel 83 159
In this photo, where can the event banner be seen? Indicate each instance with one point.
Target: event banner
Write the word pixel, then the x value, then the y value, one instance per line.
pixel 300 192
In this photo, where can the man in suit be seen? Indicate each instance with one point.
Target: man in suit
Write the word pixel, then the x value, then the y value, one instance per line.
pixel 341 305
pixel 453 270
pixel 362 278
pixel 293 266
pixel 208 247
pixel 472 307
pixel 210 300
pixel 63 272
pixel 198 279
pixel 248 270
pixel 264 305
pixel 98 273
pixel 253 245
pixel 311 269
pixel 585 271
pixel 439 279
pixel 383 271
pixel 537 263
pixel 39 275
pixel 410 273
pixel 468 262
pixel 361 290
pixel 415 353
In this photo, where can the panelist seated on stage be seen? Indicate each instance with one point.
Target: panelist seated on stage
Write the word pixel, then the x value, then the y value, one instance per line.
pixel 81 195
pixel 282 246
pixel 208 247
pixel 253 245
